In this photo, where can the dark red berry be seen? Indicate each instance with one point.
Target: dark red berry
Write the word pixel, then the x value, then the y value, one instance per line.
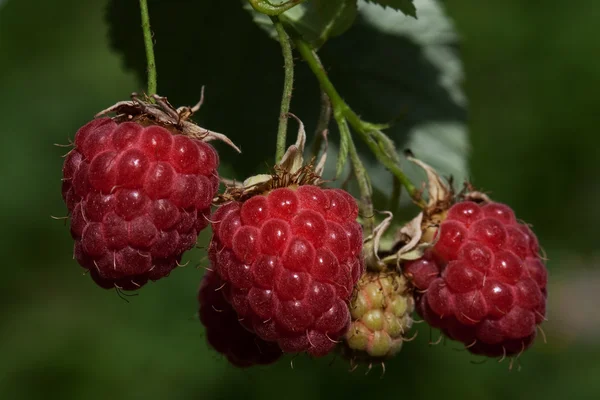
pixel 224 332
pixel 138 197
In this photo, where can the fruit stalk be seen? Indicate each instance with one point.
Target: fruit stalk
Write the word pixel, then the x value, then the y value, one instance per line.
pixel 149 48
pixel 288 86
pixel 370 133
pixel 322 123
pixel 364 184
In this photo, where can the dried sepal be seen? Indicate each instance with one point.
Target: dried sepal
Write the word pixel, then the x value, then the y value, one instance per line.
pixel 439 192
pixel 440 198
pixel 408 244
pixel 410 239
pixel 143 111
pixel 264 183
pixel 290 171
pixel 371 244
pixel 320 168
pixel 293 158
pixel 471 194
pixel 419 234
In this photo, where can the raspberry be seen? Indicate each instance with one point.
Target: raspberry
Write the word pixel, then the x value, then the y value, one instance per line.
pixel 138 197
pixel 224 332
pixel 381 316
pixel 484 281
pixel 290 257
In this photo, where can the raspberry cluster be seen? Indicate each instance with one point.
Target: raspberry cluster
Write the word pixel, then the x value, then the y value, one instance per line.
pixel 223 331
pixel 484 281
pixel 381 311
pixel 138 196
pixel 290 259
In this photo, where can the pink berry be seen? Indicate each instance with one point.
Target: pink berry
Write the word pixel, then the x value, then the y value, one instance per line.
pixel 224 332
pixel 293 256
pixel 138 197
pixel 484 283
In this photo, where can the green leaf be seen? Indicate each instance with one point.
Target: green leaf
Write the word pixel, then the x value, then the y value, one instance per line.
pixel 336 16
pixel 316 21
pixel 406 6
pixel 416 86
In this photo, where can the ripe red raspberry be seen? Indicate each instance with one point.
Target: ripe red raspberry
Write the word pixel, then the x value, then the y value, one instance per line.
pixel 484 280
pixel 291 258
pixel 224 332
pixel 138 197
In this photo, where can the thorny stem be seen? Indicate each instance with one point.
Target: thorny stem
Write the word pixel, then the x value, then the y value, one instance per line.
pixel 149 48
pixel 370 133
pixel 288 86
pixel 268 8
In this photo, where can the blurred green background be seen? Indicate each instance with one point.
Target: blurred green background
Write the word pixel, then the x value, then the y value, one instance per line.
pixel 532 81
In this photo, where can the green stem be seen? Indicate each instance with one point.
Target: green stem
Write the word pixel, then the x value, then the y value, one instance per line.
pixel 364 187
pixel 268 8
pixel 149 48
pixel 288 86
pixel 370 133
pixel 322 123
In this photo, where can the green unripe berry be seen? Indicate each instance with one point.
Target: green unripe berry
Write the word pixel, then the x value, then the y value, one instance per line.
pixel 381 311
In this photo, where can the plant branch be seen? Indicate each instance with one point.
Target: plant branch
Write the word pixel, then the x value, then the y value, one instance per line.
pixel 149 48
pixel 288 86
pixel 378 142
pixel 364 186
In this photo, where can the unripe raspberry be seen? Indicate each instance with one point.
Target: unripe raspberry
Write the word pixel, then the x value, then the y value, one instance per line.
pixel 224 332
pixel 137 196
pixel 290 257
pixel 381 311
pixel 483 282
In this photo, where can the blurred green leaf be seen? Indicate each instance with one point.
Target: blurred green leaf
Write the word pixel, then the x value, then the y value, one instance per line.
pixel 316 20
pixel 416 86
pixel 406 6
